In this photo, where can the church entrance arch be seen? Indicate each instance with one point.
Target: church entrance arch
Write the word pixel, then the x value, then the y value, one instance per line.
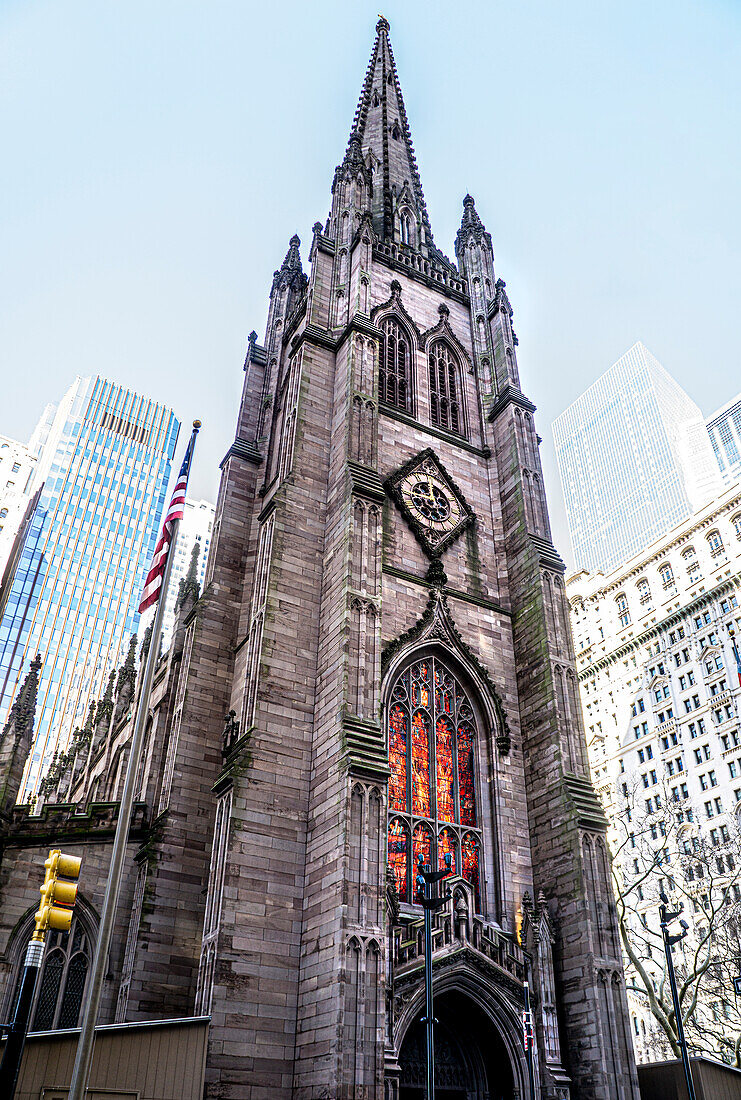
pixel 471 1059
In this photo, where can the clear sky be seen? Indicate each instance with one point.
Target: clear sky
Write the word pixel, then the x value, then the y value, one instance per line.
pixel 157 156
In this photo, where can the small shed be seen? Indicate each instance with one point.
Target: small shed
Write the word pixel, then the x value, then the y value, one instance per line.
pixel 712 1080
pixel 152 1060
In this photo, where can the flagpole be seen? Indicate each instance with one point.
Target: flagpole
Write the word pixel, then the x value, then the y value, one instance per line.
pixel 84 1056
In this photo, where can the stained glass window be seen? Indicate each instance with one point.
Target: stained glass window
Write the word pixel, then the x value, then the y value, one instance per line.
pixel 398 732
pixel 445 782
pixel 470 862
pixel 421 764
pixel 422 844
pixel 399 856
pixel 432 788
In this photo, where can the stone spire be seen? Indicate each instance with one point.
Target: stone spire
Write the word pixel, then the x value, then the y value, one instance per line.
pixel 189 584
pixel 381 141
pixel 126 683
pixel 472 229
pixel 17 737
pixel 290 274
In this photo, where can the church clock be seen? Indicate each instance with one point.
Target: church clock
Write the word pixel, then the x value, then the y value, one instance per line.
pixel 430 502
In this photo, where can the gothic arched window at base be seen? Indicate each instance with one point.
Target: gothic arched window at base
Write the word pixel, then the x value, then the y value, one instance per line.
pixel 432 787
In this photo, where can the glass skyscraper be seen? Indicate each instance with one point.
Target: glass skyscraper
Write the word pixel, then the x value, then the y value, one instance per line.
pixel 724 429
pixel 634 458
pixel 104 460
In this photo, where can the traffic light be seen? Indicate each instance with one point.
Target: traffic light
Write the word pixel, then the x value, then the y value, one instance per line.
pixel 58 894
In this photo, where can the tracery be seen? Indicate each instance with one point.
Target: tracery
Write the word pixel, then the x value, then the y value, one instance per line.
pixel 432 789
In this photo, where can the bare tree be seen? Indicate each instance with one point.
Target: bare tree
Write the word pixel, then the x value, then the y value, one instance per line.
pixel 663 846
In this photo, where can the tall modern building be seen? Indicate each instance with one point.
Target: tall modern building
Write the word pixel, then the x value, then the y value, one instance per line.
pixel 724 429
pixel 196 527
pixel 103 467
pixel 634 458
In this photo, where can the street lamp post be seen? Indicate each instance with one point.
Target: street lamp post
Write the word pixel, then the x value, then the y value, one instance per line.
pixel 666 917
pixel 427 881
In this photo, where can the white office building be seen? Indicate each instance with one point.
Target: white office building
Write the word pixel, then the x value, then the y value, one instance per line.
pixel 724 429
pixel 661 697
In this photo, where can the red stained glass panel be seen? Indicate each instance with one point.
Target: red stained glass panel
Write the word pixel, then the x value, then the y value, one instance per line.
pixel 421 764
pixel 470 861
pixel 399 857
pixel 446 845
pixel 445 782
pixel 421 685
pixel 421 845
pixel 398 736
pixel 466 791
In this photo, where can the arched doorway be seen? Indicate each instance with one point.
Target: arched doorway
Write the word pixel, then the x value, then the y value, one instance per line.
pixel 471 1060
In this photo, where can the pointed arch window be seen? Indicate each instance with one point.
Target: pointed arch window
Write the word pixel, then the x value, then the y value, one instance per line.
pixel 445 388
pixel 394 375
pixel 433 808
pixel 406 228
pixel 60 987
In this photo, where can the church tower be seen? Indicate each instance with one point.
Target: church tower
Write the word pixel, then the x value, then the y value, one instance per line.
pixel 384 626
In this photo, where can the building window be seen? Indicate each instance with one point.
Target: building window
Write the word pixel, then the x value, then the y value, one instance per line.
pixel 621 602
pixel 644 594
pixel 394 375
pixel 432 790
pixel 667 576
pixel 715 542
pixel 736 521
pixel 445 397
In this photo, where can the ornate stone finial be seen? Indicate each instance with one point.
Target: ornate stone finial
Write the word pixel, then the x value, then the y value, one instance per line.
pixel 436 575
pixel 22 712
pixel 290 271
pixel 443 311
pixel 395 288
pixel 317 228
pixel 252 338
pixel 382 26
pixel 471 226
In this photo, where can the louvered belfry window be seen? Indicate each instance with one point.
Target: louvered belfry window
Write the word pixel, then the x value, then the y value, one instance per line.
pixel 445 396
pixel 394 375
pixel 432 792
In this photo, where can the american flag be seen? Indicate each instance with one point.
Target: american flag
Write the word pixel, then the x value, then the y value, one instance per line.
pixel 153 583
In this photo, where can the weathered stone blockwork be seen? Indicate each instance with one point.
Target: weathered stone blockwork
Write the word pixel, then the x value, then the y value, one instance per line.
pixel 264 897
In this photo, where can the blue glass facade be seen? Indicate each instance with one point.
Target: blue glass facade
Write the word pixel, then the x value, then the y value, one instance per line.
pixel 634 459
pixel 724 429
pixel 106 466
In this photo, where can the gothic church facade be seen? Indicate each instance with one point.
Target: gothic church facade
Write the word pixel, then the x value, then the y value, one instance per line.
pixel 384 624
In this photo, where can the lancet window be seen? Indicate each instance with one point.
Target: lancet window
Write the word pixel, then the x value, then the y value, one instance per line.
pixel 445 390
pixel 433 807
pixel 61 984
pixel 394 375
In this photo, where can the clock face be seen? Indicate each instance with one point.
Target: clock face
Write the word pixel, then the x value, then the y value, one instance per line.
pixel 430 500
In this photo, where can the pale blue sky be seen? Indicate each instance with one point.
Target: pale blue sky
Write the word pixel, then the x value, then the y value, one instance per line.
pixel 156 158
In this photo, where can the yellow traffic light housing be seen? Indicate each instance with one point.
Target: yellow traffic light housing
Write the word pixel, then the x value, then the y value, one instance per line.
pixel 57 895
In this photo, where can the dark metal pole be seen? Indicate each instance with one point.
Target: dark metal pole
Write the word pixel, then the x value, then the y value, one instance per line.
pixel 427 880
pixel 429 1013
pixel 528 1033
pixel 14 1044
pixel 668 941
